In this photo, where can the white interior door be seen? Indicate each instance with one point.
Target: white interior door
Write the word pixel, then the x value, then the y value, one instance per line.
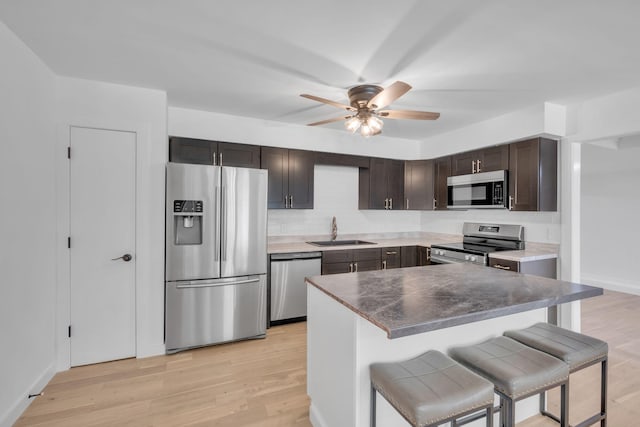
pixel 102 228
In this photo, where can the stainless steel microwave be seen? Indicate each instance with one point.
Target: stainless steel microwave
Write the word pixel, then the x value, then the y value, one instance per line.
pixel 484 190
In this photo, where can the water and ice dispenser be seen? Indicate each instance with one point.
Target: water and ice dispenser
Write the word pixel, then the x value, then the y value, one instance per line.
pixel 187 219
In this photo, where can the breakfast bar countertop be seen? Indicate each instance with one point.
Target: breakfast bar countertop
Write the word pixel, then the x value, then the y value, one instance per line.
pixel 414 300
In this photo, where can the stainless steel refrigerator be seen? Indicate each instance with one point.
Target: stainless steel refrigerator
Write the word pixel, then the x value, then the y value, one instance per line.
pixel 216 255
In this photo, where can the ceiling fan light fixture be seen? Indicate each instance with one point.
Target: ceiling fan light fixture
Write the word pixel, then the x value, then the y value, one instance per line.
pixel 353 124
pixel 366 130
pixel 375 124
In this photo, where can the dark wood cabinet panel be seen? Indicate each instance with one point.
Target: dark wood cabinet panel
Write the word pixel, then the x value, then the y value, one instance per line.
pixel 337 256
pixel 494 159
pixel 336 159
pixel 424 255
pixel 367 265
pixel 540 267
pixel 391 257
pixel 533 175
pixel 336 267
pixel 442 168
pixel 189 150
pixel 366 254
pixel 276 161
pixel 463 163
pixel 204 152
pixel 484 160
pixel 408 256
pixel 301 179
pixel 290 177
pixel 419 184
pixel 382 185
pixel 239 155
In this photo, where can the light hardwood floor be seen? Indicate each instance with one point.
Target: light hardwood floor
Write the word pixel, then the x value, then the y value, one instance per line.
pixel 262 382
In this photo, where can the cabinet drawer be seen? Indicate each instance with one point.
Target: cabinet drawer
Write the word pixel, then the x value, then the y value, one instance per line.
pixel 366 254
pixel 337 256
pixel 504 264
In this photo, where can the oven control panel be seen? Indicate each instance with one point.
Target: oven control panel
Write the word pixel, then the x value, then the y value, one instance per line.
pixel 448 256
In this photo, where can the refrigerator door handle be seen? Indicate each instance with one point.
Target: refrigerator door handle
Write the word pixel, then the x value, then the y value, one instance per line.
pixel 200 284
pixel 216 246
pixel 223 222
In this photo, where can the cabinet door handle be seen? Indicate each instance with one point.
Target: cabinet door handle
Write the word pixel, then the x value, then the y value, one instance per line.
pixel 386 203
pixel 502 267
pixel 510 203
pixel 356 266
pixel 390 203
pixel 473 166
pixel 220 159
pixel 286 199
pixel 392 252
pixel 407 204
pixel 384 265
pixel 351 268
pixel 477 165
pixel 435 204
pixel 290 202
pixel 214 158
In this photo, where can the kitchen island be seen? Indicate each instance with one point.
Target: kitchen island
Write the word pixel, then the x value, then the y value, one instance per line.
pixel 354 320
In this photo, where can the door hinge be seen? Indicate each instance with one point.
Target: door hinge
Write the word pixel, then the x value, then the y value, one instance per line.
pixel 68 242
pixel 68 152
pixel 69 331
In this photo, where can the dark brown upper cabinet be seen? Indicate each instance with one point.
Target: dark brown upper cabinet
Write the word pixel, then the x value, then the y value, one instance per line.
pixel 290 177
pixel 533 175
pixel 419 185
pixel 442 170
pixel 382 185
pixel 205 152
pixel 483 160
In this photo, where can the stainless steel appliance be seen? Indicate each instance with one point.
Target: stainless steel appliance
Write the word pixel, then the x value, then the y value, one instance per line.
pixel 478 242
pixel 288 288
pixel 216 255
pixel 484 190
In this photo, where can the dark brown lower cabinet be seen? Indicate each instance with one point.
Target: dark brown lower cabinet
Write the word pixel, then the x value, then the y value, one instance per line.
pixel 391 257
pixel 408 256
pixel 541 267
pixel 424 255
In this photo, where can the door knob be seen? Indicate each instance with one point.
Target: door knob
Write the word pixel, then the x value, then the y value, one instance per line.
pixel 125 258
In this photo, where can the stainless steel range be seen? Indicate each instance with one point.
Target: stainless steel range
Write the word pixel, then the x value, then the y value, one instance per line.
pixel 478 242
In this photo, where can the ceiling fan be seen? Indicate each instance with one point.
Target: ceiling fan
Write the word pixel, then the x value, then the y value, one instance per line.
pixel 366 108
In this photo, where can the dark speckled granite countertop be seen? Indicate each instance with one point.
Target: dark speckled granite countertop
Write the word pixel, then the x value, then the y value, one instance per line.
pixel 408 301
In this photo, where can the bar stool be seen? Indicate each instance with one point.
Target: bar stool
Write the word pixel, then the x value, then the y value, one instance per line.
pixel 516 371
pixel 577 350
pixel 430 390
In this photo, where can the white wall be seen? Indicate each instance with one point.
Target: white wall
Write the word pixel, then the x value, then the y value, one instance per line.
pixel 336 194
pixel 144 111
pixel 223 127
pixel 610 209
pixel 27 226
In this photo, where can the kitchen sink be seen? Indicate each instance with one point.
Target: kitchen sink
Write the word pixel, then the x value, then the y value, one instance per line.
pixel 340 242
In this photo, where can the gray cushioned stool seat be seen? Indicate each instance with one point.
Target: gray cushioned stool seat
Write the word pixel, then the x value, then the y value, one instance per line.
pixel 573 348
pixel 430 387
pixel 515 369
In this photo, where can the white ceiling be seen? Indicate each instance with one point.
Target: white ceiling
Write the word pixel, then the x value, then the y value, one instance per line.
pixel 469 60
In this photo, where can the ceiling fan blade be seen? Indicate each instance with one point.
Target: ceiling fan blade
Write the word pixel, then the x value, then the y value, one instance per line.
pixel 388 95
pixel 324 122
pixel 408 114
pixel 328 101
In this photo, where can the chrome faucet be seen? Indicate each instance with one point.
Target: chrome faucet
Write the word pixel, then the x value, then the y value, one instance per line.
pixel 334 229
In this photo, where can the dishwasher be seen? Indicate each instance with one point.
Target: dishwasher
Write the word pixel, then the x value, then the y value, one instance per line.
pixel 288 290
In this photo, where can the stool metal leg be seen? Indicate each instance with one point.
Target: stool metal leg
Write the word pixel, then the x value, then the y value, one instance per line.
pixel 511 417
pixel 603 394
pixel 372 415
pixel 490 416
pixel 503 408
pixel 564 404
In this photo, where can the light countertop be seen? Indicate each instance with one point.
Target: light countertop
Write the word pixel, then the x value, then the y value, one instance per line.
pixel 289 244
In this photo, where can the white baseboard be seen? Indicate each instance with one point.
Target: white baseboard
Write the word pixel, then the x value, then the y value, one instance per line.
pixel 23 402
pixel 611 285
pixel 315 418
